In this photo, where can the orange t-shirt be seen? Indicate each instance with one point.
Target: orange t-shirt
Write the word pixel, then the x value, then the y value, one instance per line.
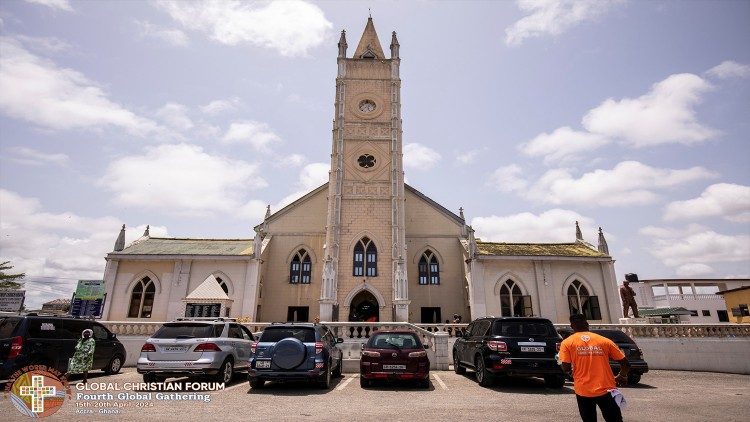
pixel 589 354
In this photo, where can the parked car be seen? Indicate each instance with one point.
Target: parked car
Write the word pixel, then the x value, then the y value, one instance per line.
pixel 47 340
pixel 195 347
pixel 509 346
pixel 295 351
pixel 394 355
pixel 633 353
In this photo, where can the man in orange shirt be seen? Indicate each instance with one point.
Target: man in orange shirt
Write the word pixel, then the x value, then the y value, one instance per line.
pixel 588 354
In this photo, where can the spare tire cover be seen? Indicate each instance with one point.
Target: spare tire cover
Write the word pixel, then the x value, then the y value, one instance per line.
pixel 289 353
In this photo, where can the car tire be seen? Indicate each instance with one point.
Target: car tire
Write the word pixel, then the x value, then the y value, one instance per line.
pixel 325 382
pixel 425 383
pixel 151 377
pixel 257 383
pixel 484 377
pixel 363 382
pixel 114 365
pixel 337 371
pixel 554 381
pixel 226 372
pixel 457 368
pixel 634 378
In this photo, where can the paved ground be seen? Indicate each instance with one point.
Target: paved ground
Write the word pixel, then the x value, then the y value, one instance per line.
pixel 662 396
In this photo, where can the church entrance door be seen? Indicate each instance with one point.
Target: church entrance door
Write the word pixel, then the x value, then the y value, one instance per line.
pixel 364 308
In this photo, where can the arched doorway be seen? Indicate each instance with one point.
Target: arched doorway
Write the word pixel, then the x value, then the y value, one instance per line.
pixel 364 308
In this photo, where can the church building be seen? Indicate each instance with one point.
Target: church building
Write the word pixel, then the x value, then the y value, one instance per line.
pixel 363 247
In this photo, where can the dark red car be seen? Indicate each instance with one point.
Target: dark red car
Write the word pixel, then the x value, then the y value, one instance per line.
pixel 394 355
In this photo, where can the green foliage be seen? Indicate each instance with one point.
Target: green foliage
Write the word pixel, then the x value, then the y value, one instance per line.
pixel 8 281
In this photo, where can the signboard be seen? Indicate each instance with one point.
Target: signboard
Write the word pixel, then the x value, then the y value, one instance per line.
pixel 90 289
pixel 86 308
pixel 12 300
pixel 204 310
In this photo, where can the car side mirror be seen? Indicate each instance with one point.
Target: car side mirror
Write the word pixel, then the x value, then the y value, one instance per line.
pixel 426 346
pixel 339 340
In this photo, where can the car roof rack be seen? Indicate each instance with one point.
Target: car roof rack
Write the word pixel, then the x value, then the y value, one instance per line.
pixel 206 319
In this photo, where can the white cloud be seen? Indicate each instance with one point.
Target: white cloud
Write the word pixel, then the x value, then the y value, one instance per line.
pixel 467 157
pixel 36 90
pixel 726 200
pixel 553 17
pixel 311 177
pixel 729 69
pixel 555 225
pixel 175 115
pixel 290 27
pixel 664 115
pixel 30 156
pixel 257 134
pixel 563 145
pixel 420 157
pixel 182 180
pixel 628 183
pixel 693 270
pixel 54 4
pixel 696 245
pixel 508 179
pixel 171 36
pixel 47 45
pixel 55 249
pixel 220 106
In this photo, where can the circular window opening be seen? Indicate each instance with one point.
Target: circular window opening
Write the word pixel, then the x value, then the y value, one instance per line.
pixel 366 161
pixel 367 106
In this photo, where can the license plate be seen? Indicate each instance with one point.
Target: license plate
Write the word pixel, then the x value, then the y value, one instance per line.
pixel 174 349
pixel 532 349
pixel 394 366
pixel 262 364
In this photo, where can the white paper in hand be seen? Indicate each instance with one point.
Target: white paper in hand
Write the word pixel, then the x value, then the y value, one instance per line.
pixel 619 398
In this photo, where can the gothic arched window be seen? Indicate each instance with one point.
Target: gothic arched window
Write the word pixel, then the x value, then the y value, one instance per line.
pixel 513 302
pixel 300 269
pixel 580 301
pixel 223 285
pixel 142 299
pixel 429 269
pixel 365 262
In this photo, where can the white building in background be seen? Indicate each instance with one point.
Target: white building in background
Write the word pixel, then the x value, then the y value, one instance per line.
pixel 697 295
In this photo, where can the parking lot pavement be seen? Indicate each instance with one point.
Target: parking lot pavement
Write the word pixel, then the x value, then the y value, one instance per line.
pixel 662 396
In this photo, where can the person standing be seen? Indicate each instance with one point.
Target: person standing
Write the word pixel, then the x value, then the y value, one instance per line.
pixel 83 357
pixel 627 294
pixel 587 355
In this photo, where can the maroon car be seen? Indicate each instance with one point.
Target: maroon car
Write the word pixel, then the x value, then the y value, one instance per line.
pixel 394 355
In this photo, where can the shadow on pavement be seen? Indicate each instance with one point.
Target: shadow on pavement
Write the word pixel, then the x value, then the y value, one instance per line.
pixel 523 385
pixel 382 385
pixel 294 388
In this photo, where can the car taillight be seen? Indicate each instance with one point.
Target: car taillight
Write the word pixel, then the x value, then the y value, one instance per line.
pixel 419 354
pixel 557 346
pixel 16 345
pixel 370 354
pixel 318 347
pixel 254 347
pixel 207 347
pixel 148 347
pixel 497 346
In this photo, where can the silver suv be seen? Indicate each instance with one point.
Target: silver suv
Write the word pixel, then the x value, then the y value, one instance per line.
pixel 196 347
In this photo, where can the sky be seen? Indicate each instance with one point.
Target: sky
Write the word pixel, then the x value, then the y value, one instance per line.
pixel 192 116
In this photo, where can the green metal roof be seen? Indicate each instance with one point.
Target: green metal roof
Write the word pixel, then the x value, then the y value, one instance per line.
pixel 175 246
pixel 577 249
pixel 646 312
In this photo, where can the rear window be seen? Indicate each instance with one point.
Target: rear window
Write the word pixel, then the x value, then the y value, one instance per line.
pixel 523 329
pixel 189 330
pixel 394 341
pixel 272 335
pixel 614 335
pixel 7 325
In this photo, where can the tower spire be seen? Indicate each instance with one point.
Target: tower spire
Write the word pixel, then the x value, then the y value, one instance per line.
pixel 579 236
pixel 369 45
pixel 342 45
pixel 603 248
pixel 394 46
pixel 120 242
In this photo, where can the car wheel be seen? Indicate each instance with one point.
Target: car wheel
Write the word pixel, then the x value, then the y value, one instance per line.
pixel 484 377
pixel 337 371
pixel 114 365
pixel 554 381
pixel 325 382
pixel 257 383
pixel 364 383
pixel 151 377
pixel 226 372
pixel 634 378
pixel 457 368
pixel 425 383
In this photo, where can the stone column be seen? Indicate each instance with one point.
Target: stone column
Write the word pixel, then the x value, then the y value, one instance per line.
pixel 110 276
pixel 477 299
pixel 442 354
pixel 250 291
pixel 179 289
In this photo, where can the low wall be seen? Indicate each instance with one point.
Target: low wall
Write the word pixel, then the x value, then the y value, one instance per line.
pixel 730 355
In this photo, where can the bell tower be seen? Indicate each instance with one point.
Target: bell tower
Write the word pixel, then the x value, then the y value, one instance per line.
pixel 365 250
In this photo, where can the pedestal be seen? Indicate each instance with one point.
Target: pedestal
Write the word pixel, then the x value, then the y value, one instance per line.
pixel 402 310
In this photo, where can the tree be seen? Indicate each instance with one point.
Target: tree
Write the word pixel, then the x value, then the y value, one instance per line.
pixel 8 281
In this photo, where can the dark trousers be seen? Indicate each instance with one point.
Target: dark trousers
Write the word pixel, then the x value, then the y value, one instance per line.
pixel 631 305
pixel 608 405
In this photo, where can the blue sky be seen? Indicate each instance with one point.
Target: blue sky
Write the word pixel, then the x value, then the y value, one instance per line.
pixel 192 116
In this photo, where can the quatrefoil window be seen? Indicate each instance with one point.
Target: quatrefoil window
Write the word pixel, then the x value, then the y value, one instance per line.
pixel 366 161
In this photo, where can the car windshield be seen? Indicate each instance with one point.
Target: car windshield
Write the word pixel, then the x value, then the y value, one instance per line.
pixel 614 335
pixel 303 334
pixel 7 325
pixel 189 330
pixel 394 341
pixel 523 329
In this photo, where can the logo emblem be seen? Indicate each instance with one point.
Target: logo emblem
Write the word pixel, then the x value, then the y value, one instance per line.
pixel 531 339
pixel 585 338
pixel 394 355
pixel 37 391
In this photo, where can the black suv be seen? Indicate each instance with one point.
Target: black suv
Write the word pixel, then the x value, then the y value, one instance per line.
pixel 51 341
pixel 638 366
pixel 509 346
pixel 295 351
